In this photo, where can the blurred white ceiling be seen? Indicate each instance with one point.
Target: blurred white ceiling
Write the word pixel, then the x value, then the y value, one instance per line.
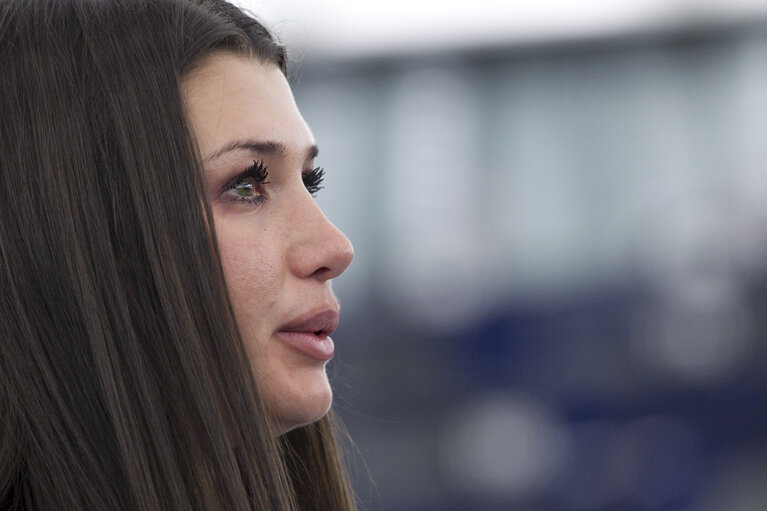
pixel 358 28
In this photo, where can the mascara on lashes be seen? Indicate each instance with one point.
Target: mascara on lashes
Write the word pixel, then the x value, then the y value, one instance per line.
pixel 258 171
pixel 313 179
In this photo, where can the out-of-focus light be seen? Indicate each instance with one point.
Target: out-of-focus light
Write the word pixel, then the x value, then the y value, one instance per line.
pixel 700 329
pixel 434 229
pixel 348 28
pixel 505 447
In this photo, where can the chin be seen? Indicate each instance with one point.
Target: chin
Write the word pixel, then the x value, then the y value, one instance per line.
pixel 304 408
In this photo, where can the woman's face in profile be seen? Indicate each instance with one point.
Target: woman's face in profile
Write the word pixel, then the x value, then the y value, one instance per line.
pixel 278 250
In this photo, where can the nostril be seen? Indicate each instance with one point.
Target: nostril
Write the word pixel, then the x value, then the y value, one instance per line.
pixel 320 271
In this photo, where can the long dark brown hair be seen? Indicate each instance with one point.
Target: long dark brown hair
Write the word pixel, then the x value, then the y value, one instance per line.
pixel 124 384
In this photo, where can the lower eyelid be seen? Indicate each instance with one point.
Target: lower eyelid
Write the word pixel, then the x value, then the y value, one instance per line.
pixel 252 201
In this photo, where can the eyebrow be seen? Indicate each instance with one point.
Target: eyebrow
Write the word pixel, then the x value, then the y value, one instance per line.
pixel 266 147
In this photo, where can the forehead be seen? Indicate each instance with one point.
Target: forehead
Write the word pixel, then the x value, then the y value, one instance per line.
pixel 232 97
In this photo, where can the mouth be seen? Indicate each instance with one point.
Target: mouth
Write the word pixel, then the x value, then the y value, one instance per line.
pixel 309 333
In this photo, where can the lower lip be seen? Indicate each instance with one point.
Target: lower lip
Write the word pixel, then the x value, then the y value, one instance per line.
pixel 319 347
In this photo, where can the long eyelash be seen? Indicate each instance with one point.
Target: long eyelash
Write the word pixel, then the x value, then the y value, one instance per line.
pixel 313 179
pixel 257 171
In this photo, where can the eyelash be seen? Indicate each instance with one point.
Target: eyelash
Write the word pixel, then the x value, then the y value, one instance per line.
pixel 312 181
pixel 258 173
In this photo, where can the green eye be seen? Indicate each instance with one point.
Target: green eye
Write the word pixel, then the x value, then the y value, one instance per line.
pixel 246 187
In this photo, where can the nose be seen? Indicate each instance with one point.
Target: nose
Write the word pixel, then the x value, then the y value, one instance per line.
pixel 319 250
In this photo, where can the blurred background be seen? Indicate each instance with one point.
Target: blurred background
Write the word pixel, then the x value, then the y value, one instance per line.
pixel 559 210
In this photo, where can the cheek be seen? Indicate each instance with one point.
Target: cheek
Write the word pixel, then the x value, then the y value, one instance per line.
pixel 295 390
pixel 253 270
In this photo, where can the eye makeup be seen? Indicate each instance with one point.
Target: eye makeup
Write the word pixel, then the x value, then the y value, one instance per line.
pixel 313 179
pixel 248 187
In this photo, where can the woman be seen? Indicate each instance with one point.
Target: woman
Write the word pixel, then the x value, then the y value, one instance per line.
pixel 165 298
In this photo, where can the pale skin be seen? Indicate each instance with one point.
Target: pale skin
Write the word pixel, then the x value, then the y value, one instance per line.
pixel 280 254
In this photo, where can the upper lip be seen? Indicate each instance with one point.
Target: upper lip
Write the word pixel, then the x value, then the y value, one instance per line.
pixel 323 322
